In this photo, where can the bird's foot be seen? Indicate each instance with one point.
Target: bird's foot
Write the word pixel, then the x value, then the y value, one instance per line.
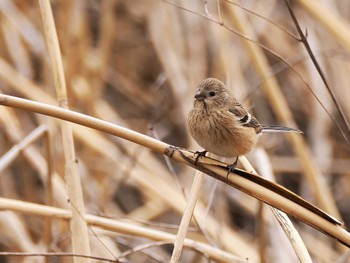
pixel 231 167
pixel 199 154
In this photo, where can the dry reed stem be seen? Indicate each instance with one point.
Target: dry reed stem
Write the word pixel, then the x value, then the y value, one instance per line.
pixel 167 192
pixel 18 52
pixel 285 223
pixel 345 128
pixel 47 256
pixel 152 209
pixel 98 147
pixel 275 233
pixel 99 144
pixel 187 215
pixel 282 110
pixel 175 47
pixel 24 26
pixel 115 225
pixel 164 189
pixel 8 158
pixel 34 157
pixel 80 237
pixel 49 188
pixel 14 230
pixel 22 84
pixel 151 57
pixel 17 149
pixel 104 48
pixel 252 184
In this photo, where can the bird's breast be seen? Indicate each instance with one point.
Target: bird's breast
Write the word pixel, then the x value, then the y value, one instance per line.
pixel 218 132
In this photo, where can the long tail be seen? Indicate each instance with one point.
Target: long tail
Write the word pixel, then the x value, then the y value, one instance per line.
pixel 275 128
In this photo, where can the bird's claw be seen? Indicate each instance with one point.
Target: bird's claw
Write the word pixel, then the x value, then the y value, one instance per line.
pixel 231 167
pixel 199 154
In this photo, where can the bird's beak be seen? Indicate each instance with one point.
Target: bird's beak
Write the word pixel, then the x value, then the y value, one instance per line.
pixel 199 96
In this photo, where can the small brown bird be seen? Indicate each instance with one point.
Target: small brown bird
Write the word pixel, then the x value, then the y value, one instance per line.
pixel 221 125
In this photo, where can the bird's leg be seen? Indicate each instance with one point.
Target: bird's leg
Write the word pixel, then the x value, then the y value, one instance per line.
pixel 199 154
pixel 231 167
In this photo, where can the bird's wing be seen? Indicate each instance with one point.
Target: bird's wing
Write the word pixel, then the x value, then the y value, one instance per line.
pixel 244 117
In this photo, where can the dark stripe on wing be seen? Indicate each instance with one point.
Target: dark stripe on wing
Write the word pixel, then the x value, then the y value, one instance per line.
pixel 244 119
pixel 253 123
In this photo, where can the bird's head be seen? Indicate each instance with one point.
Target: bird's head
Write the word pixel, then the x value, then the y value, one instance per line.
pixel 211 93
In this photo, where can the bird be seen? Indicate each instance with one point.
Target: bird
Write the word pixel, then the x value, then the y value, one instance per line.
pixel 220 124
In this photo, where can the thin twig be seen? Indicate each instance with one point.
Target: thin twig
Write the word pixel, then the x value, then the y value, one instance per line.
pixel 264 18
pixel 93 232
pixel 221 23
pixel 346 134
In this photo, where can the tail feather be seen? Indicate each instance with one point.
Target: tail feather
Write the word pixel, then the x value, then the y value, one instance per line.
pixel 275 128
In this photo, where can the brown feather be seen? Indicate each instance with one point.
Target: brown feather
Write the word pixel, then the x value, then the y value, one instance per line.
pixel 219 123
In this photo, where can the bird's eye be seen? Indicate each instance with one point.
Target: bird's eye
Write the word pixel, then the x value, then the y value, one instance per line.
pixel 212 93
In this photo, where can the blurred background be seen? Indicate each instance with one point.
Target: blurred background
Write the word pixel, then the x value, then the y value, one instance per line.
pixel 137 64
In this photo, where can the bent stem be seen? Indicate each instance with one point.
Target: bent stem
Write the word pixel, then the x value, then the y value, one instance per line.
pixel 260 188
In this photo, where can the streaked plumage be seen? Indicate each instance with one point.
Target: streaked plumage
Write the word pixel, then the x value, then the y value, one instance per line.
pixel 221 125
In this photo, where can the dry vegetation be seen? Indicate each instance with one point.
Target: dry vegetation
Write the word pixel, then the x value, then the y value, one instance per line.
pixel 136 64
